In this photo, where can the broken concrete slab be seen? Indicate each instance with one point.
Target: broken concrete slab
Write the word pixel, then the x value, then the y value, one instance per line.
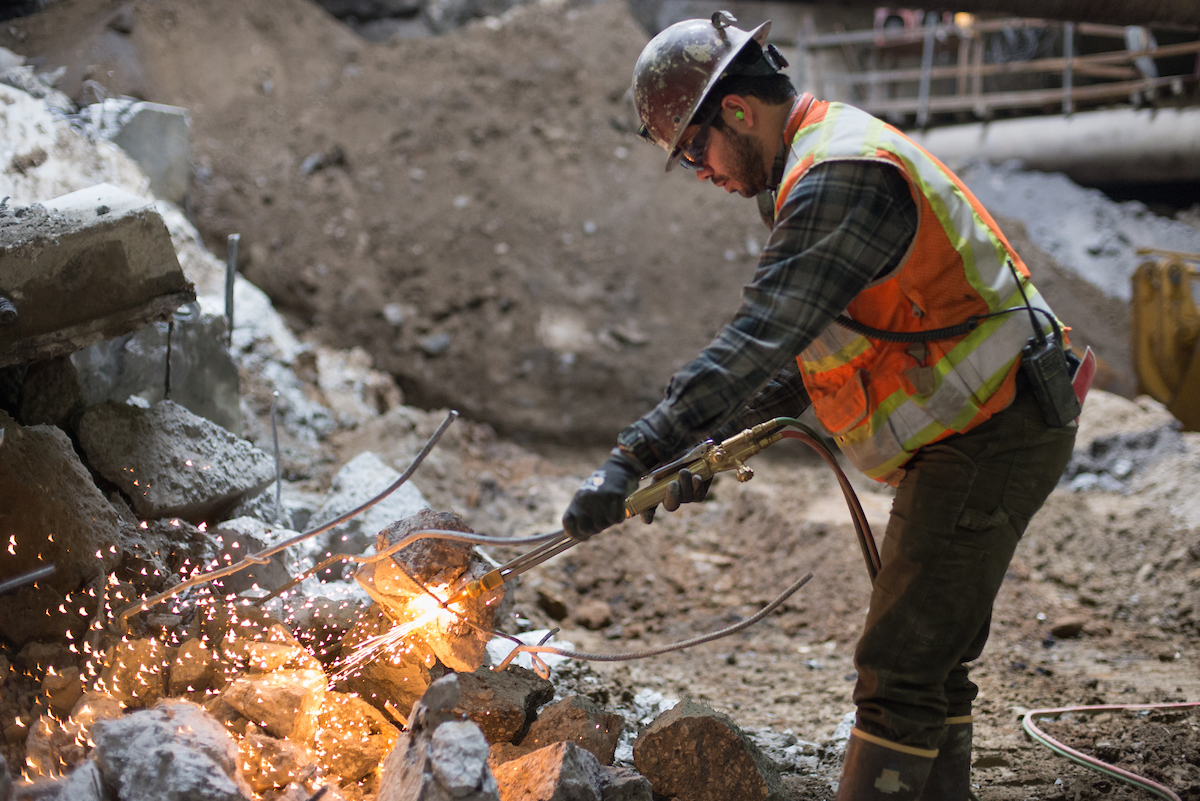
pixel 676 753
pixel 502 702
pixel 285 703
pixel 577 720
pixel 85 783
pixel 171 462
pixel 429 764
pixel 234 544
pixel 83 267
pixel 362 478
pixel 174 752
pixel 353 737
pixel 203 377
pixel 51 394
pixel 157 137
pixel 437 565
pixel 555 773
pixel 193 670
pixel 624 784
pixel 52 513
pixel 135 672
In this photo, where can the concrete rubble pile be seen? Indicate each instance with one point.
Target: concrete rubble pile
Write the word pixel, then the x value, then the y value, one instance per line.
pixel 130 470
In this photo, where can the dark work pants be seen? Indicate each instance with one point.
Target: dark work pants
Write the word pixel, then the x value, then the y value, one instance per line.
pixel 960 509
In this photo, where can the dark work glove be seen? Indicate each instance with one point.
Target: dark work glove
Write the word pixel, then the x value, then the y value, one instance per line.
pixel 687 488
pixel 600 500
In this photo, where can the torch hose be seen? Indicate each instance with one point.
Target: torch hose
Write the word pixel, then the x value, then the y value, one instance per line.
pixel 1086 761
pixel 662 649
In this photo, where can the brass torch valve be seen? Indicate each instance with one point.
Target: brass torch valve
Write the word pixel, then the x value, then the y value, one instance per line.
pixel 706 461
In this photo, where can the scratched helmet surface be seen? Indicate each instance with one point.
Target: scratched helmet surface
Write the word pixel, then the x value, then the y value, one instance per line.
pixel 678 68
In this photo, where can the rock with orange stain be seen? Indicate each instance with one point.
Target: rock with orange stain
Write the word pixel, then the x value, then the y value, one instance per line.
pixel 353 737
pixel 135 672
pixel 558 771
pixel 578 720
pixel 285 703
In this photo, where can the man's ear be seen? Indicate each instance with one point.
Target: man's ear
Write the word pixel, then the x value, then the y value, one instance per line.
pixel 738 109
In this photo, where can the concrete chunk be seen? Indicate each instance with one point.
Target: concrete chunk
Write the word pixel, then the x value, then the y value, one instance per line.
pixel 204 378
pixel 578 720
pixel 438 759
pixel 353 737
pixel 51 512
pixel 559 772
pixel 157 138
pixel 175 752
pixel 694 753
pixel 170 462
pixel 502 701
pixel 623 784
pixel 285 703
pixel 86 266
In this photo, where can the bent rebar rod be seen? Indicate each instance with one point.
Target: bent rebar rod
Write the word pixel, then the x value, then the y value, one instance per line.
pixel 263 556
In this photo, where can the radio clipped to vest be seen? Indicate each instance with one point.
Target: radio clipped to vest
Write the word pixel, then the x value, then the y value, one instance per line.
pixel 1044 365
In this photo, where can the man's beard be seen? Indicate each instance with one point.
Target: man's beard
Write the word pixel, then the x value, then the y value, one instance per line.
pixel 748 170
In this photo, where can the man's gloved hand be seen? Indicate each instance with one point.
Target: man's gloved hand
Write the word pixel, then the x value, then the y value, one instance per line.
pixel 600 500
pixel 687 488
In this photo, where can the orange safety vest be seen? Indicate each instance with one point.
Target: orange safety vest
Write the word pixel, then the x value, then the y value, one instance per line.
pixel 882 401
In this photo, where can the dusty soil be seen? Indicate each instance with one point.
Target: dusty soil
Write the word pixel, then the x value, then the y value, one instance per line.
pixel 472 209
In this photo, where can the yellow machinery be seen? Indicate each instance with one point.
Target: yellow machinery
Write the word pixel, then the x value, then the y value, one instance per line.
pixel 1166 329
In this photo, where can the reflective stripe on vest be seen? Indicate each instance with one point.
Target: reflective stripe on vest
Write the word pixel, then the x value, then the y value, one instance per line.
pixel 877 399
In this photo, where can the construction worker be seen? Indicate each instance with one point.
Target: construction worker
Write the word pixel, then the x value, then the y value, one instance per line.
pixel 887 297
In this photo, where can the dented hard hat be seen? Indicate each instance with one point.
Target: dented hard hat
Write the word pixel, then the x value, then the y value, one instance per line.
pixel 680 66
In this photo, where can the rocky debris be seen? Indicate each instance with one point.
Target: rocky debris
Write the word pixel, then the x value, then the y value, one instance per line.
pixel 61 517
pixel 392 682
pixel 63 689
pixel 552 604
pixel 170 462
pixel 153 135
pixel 435 564
pixel 51 394
pixel 1081 228
pixel 362 478
pixel 82 267
pixel 1109 463
pixel 438 758
pixel 321 624
pixel 675 753
pixel 135 672
pixel 554 773
pixel 577 720
pixel 193 670
pixel 623 784
pixel 285 703
pixel 204 379
pixel 174 752
pixel 353 737
pixel 235 543
pixel 85 783
pixel 502 702
pixel 594 614
pixel 269 763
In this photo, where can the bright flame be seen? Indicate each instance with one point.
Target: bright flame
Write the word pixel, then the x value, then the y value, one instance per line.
pixel 428 612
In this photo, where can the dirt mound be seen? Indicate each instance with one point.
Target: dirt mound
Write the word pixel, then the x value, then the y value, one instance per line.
pixel 475 209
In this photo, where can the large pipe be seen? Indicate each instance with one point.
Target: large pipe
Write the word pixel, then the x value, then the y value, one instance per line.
pixel 1185 13
pixel 1094 147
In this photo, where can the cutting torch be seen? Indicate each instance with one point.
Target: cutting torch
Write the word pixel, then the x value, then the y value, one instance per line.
pixel 705 460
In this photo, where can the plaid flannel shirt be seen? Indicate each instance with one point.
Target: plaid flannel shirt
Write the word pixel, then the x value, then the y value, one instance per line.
pixel 844 224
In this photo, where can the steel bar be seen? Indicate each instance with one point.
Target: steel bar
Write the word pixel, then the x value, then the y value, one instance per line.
pixel 1068 77
pixel 16 582
pixel 231 255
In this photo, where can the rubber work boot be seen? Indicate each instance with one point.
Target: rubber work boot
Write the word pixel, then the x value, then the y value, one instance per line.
pixel 950 777
pixel 875 769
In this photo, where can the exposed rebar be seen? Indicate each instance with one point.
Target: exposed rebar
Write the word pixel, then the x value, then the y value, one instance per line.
pixel 278 460
pixel 263 556
pixel 231 252
pixel 37 574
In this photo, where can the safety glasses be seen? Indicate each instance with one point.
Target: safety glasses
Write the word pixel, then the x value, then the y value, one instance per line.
pixel 691 155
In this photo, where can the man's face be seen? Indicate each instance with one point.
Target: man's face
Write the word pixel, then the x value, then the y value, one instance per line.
pixel 731 160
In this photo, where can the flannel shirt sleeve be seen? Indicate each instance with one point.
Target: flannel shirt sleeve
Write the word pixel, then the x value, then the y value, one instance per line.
pixel 843 225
